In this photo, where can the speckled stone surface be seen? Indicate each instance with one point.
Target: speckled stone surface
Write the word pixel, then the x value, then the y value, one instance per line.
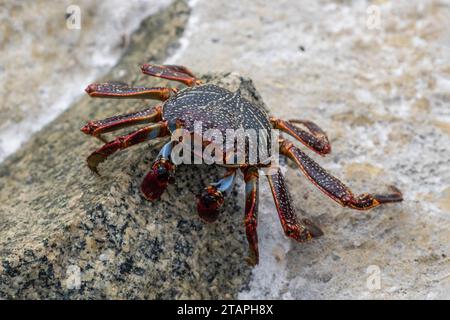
pixel 380 92
pixel 380 89
pixel 66 233
pixel 49 48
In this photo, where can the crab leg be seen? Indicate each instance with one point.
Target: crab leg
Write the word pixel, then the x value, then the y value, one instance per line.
pixel 98 127
pixel 331 186
pixel 251 178
pixel 212 197
pixel 299 230
pixel 123 91
pixel 171 72
pixel 147 133
pixel 160 175
pixel 316 139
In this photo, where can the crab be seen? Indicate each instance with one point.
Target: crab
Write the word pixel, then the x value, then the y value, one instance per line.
pixel 221 109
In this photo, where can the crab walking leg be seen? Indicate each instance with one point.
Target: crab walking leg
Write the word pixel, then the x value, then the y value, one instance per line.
pixel 251 178
pixel 147 133
pixel 171 72
pixel 331 186
pixel 316 139
pixel 299 230
pixel 160 175
pixel 212 197
pixel 98 127
pixel 124 91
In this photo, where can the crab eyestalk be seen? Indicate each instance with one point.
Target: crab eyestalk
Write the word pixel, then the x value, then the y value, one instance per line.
pixel 161 174
pixel 211 200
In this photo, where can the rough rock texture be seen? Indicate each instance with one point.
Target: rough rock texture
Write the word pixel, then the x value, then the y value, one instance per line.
pixel 379 85
pixel 49 48
pixel 380 91
pixel 65 233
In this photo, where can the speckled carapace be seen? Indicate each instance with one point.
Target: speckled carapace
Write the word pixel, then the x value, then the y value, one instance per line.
pixel 221 109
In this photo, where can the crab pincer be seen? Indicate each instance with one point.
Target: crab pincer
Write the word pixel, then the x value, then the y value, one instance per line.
pixel 157 180
pixel 209 203
pixel 160 175
pixel 211 199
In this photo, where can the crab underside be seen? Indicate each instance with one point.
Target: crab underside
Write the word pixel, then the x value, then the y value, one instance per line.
pixel 221 109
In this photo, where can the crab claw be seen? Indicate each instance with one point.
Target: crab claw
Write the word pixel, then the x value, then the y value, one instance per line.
pixel 209 203
pixel 157 180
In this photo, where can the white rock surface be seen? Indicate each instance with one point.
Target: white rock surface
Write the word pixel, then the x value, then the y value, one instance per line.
pixel 48 56
pixel 379 85
pixel 375 75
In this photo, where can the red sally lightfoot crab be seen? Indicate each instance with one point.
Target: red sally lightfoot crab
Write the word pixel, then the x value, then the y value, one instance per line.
pixel 221 109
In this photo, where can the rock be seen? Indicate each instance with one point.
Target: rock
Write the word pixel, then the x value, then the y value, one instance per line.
pixel 44 59
pixel 382 95
pixel 380 92
pixel 66 233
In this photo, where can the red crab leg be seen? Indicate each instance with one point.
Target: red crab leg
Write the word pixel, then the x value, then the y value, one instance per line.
pixel 316 139
pixel 331 186
pixel 212 199
pixel 251 178
pixel 98 127
pixel 300 231
pixel 147 133
pixel 171 72
pixel 124 91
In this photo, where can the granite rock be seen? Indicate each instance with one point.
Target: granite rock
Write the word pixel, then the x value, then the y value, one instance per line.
pixel 49 48
pixel 66 233
pixel 381 91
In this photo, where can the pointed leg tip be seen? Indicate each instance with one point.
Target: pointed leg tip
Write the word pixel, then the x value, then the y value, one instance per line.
pixel 91 88
pixel 395 195
pixel 396 191
pixel 251 260
pixel 93 160
pixel 89 128
pixel 94 170
pixel 145 67
pixel 85 129
pixel 326 150
pixel 313 229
